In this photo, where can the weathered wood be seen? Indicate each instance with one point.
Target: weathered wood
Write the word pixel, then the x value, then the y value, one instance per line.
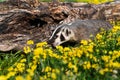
pixel 19 23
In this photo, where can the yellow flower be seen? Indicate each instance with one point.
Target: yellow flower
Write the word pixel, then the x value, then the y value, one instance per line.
pixel 10 74
pixel 95 2
pixel 53 76
pixel 28 77
pixel 29 42
pixel 84 42
pixel 41 44
pixel 102 71
pixel 66 49
pixel 116 64
pixel 75 68
pixel 79 53
pixel 90 48
pixel 47 69
pixel 20 67
pixel 30 72
pixel 19 78
pixel 57 71
pixel 95 59
pixel 105 58
pixel 27 49
pixel 10 69
pixel 70 65
pixel 87 65
pixel 98 36
pixel 45 77
pixel 37 51
pixel 115 29
pixel 60 48
pixel 48 74
pixel 33 67
pixel 2 77
pixel 23 60
pixel 118 39
pixel 95 66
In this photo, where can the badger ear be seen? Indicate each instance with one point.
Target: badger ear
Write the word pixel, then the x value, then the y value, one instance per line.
pixel 67 32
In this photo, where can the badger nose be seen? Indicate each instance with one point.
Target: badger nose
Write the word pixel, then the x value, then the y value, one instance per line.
pixel 50 42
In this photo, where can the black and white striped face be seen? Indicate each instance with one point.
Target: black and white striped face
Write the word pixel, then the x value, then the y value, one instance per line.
pixel 60 35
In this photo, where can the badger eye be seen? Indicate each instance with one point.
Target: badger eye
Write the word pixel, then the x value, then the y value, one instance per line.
pixel 68 32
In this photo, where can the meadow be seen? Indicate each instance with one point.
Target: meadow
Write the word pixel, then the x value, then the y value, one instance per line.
pixel 97 59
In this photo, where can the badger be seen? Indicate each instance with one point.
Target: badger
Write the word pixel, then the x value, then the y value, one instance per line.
pixel 77 30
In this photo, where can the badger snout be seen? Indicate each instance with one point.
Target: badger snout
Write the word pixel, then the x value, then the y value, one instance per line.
pixel 51 42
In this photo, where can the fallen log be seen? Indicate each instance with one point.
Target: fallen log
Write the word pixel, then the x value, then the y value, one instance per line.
pixel 19 24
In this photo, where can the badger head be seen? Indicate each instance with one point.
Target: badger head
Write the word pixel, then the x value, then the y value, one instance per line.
pixel 60 35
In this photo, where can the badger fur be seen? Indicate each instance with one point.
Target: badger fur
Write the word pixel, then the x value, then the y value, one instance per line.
pixel 77 31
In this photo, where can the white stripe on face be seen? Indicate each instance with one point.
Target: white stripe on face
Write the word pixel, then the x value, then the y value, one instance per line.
pixel 55 31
